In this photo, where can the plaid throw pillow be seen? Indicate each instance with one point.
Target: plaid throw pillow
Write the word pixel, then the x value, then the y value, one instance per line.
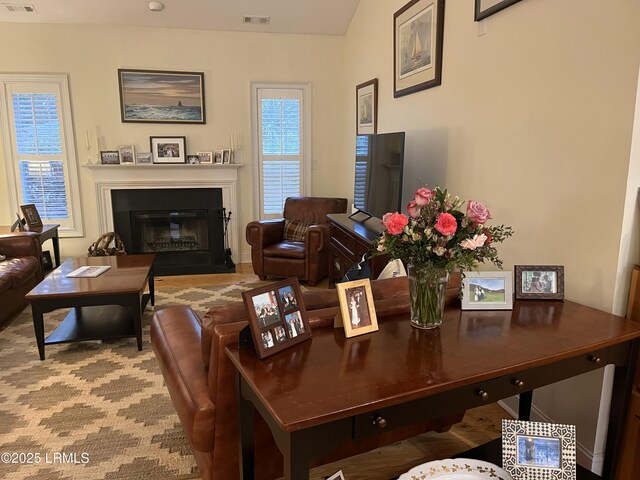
pixel 294 230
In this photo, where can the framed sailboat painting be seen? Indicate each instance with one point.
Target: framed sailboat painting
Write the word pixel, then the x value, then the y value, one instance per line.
pixel 149 96
pixel 417 46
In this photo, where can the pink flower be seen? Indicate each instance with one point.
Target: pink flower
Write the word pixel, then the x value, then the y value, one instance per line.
pixel 413 208
pixel 475 242
pixel 477 212
pixel 423 196
pixel 446 224
pixel 395 222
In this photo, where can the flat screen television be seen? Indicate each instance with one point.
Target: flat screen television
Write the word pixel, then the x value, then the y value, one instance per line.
pixel 378 178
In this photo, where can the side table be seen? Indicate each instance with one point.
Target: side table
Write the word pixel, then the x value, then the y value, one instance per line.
pixel 46 232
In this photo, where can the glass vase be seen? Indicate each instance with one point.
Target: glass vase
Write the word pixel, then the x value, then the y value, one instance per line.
pixel 427 292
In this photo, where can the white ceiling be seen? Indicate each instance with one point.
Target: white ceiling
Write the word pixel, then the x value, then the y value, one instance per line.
pixel 313 17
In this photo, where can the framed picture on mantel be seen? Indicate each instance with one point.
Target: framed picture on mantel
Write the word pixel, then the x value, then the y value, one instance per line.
pixel 168 149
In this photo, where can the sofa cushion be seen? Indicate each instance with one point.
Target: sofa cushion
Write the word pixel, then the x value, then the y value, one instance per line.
pixel 295 230
pixel 19 270
pixel 5 280
pixel 285 250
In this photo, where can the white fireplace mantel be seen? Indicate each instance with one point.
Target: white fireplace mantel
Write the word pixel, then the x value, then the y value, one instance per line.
pixel 119 177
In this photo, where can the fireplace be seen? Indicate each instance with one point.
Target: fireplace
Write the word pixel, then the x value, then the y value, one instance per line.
pixel 184 227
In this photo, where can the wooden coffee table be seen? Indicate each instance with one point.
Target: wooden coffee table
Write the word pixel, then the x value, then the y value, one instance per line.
pixel 105 307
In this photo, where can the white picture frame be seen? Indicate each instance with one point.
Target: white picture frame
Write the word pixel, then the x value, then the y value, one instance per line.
pixel 205 157
pixel 337 476
pixel 127 154
pixel 490 290
pixel 536 450
pixel 226 156
pixel 168 149
pixel 217 157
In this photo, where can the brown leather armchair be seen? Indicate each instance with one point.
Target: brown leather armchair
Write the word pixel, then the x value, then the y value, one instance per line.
pixel 298 244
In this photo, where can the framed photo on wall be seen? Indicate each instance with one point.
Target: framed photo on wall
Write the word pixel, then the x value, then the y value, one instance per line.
pixel 487 290
pixel 540 282
pixel 367 107
pixel 151 96
pixel 485 8
pixel 277 317
pixel 418 32
pixel 357 308
pixel 31 216
pixel 168 149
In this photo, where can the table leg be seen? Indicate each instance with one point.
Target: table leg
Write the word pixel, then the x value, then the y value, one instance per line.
pixel 134 303
pixel 152 295
pixel 38 326
pixel 56 248
pixel 524 406
pixel 246 416
pixel 296 462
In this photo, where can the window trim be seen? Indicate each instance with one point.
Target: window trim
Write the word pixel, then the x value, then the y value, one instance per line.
pixel 306 151
pixel 68 139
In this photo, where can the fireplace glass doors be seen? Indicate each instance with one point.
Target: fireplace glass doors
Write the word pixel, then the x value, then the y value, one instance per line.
pixel 155 232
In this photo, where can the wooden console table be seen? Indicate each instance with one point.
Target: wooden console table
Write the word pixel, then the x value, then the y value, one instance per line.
pixel 321 393
pixel 46 232
pixel 350 240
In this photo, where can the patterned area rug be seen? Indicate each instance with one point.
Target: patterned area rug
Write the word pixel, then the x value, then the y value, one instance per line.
pixel 94 410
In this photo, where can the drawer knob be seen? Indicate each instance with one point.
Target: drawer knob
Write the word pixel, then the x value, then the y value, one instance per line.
pixel 518 383
pixel 380 421
pixel 595 359
pixel 483 395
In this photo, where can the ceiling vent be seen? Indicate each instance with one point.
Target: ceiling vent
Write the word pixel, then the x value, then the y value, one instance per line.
pixel 20 8
pixel 256 19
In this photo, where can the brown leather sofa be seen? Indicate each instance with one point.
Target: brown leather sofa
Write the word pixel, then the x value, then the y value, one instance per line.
pixel 19 272
pixel 201 380
pixel 274 252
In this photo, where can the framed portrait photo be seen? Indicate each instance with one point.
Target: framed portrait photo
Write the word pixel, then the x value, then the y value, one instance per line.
pixel 277 317
pixel 539 282
pixel 217 157
pixel 487 291
pixel 110 157
pixel 150 96
pixel 226 156
pixel 205 157
pixel 367 107
pixel 485 8
pixel 168 149
pixel 357 308
pixel 535 450
pixel 418 32
pixel 31 216
pixel 127 154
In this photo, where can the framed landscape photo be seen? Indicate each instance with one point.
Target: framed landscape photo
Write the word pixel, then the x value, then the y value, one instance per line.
pixel 205 157
pixel 485 8
pixel 367 107
pixel 144 158
pixel 168 149
pixel 540 282
pixel 418 32
pixel 127 154
pixel 487 291
pixel 31 216
pixel 277 317
pixel 152 96
pixel 110 157
pixel 357 308
pixel 536 450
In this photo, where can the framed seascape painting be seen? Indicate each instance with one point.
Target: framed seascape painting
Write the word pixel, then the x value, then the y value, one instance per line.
pixel 417 46
pixel 150 96
pixel 485 8
pixel 168 149
pixel 277 317
pixel 487 291
pixel 540 282
pixel 367 107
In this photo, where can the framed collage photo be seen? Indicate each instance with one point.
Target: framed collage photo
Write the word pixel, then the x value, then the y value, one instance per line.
pixel 357 308
pixel 536 450
pixel 277 317
pixel 539 282
pixel 487 291
pixel 110 157
pixel 367 108
pixel 31 216
pixel 168 149
pixel 418 33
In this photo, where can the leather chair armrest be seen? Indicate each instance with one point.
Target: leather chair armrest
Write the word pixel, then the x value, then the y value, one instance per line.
pixel 24 244
pixel 317 238
pixel 262 233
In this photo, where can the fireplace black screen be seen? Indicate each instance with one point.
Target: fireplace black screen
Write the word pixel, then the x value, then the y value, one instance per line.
pixel 184 227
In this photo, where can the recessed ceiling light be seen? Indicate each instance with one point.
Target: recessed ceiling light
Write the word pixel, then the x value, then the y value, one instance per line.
pixel 156 6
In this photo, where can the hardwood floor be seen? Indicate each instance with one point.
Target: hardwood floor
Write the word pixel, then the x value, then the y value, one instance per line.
pixel 480 424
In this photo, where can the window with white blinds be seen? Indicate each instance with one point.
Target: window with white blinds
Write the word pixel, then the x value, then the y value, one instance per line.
pixel 281 147
pixel 38 142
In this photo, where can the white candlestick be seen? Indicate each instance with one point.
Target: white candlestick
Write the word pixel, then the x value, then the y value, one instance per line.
pixel 86 137
pixel 97 142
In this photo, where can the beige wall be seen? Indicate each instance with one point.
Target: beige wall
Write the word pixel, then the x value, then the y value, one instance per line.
pixel 534 118
pixel 90 56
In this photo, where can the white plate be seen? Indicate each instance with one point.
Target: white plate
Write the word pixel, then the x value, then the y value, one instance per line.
pixel 456 469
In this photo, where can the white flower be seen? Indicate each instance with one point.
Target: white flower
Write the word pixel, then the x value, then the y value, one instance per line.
pixel 475 242
pixel 439 251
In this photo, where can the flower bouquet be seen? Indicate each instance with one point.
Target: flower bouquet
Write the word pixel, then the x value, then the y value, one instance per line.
pixel 434 237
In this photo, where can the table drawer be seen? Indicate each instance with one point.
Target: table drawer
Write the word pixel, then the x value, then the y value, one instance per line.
pixel 343 241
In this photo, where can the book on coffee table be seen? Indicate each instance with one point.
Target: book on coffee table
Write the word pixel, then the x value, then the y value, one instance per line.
pixel 88 271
